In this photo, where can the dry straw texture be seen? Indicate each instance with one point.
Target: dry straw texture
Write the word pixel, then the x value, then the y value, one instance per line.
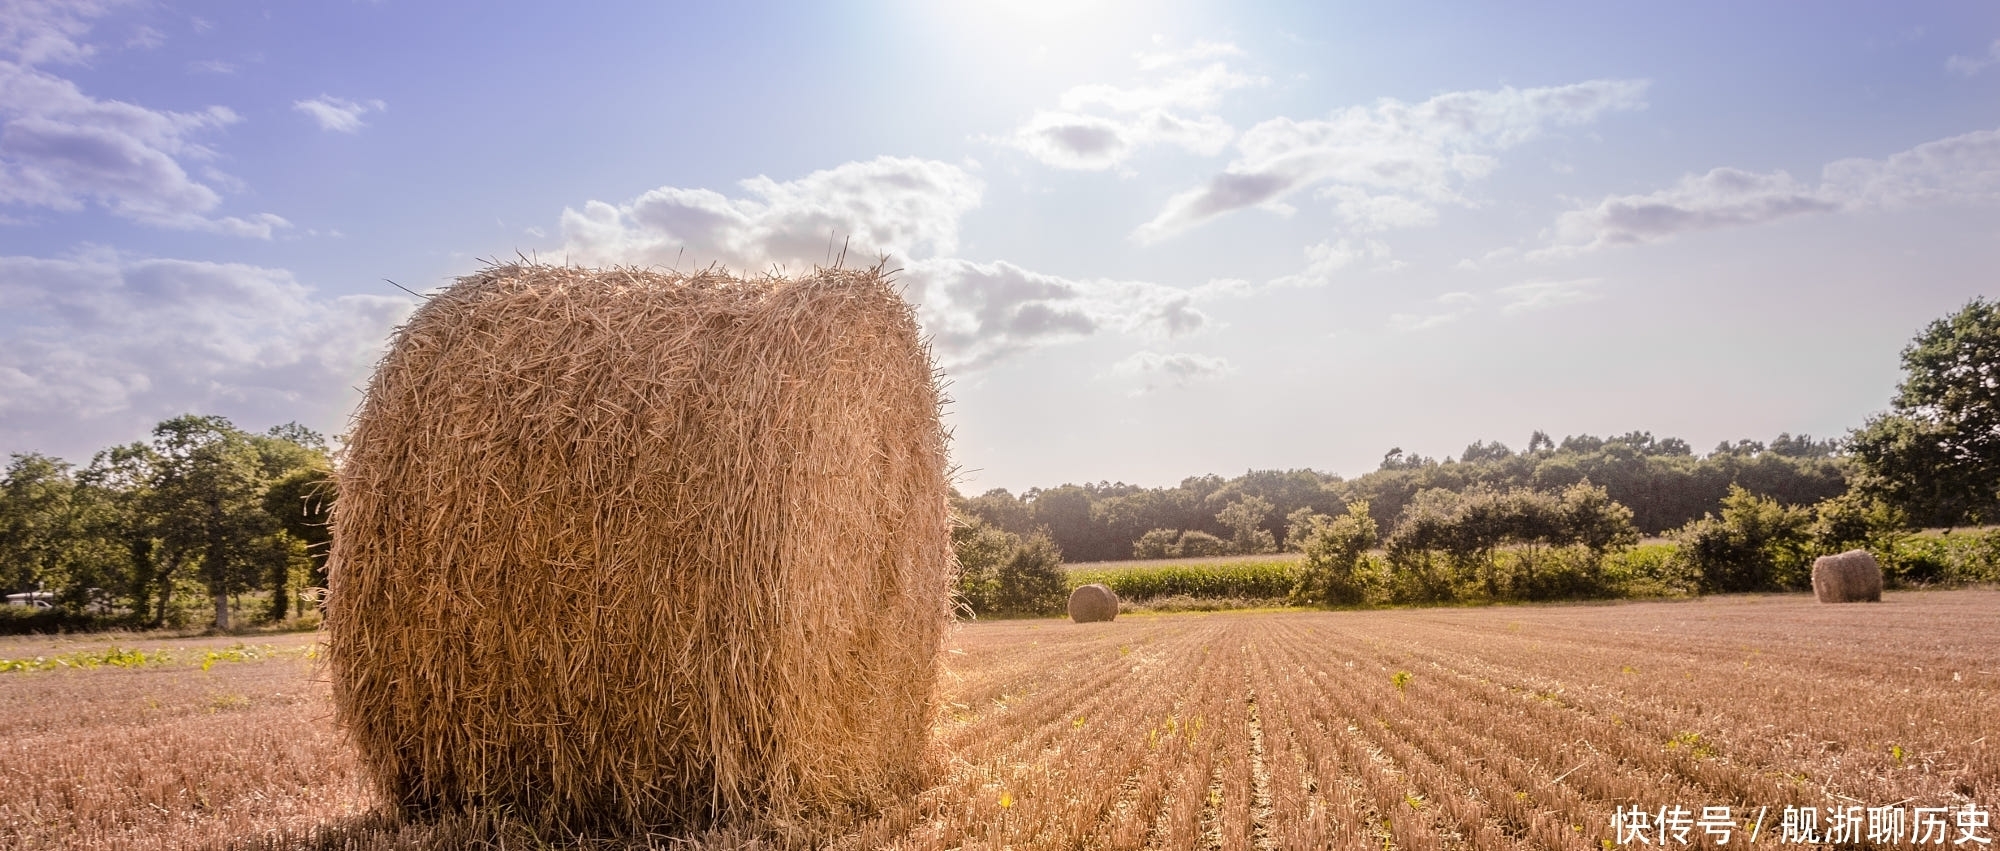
pixel 1093 602
pixel 1849 577
pixel 621 550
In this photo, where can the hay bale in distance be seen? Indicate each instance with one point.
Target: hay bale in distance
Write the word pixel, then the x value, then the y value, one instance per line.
pixel 1093 602
pixel 622 550
pixel 1849 577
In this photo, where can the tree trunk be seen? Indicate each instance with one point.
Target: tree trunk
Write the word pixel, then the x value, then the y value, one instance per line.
pixel 281 588
pixel 221 610
pixel 166 589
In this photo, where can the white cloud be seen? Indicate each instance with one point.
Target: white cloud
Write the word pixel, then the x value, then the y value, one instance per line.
pixel 211 66
pixel 102 346
pixel 1324 260
pixel 1969 65
pixel 1723 197
pixel 1099 126
pixel 339 115
pixel 61 149
pixel 905 209
pixel 1962 169
pixel 1535 295
pixel 980 313
pixel 1179 369
pixel 1391 164
pixel 1455 306
pixel 35 32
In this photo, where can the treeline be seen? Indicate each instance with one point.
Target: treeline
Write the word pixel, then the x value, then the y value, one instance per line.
pixel 170 531
pixel 1661 481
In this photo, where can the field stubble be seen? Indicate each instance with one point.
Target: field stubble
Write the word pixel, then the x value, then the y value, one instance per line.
pixel 1505 727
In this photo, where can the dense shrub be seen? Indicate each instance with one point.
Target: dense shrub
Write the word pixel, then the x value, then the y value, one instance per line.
pixel 1755 545
pixel 1158 543
pixel 1334 546
pixel 1195 543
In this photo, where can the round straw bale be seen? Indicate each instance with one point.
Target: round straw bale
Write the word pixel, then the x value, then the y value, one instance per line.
pixel 621 550
pixel 1849 577
pixel 1093 602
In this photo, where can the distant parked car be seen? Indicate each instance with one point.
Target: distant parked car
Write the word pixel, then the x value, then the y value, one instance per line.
pixel 33 600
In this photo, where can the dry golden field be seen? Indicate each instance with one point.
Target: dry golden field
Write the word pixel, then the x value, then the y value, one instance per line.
pixel 1509 727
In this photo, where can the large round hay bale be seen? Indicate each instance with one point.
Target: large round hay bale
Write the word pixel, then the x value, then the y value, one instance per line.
pixel 1093 602
pixel 1849 577
pixel 620 549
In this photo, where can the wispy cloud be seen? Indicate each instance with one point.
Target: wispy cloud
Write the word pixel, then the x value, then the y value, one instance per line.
pixel 1392 164
pixel 1099 126
pixel 101 346
pixel 1535 295
pixel 339 115
pixel 1967 66
pixel 1326 260
pixel 977 313
pixel 1960 169
pixel 1156 371
pixel 1452 306
pixel 62 149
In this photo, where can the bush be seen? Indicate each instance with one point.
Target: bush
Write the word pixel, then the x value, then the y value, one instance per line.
pixel 1032 581
pixel 1333 548
pixel 981 550
pixel 1198 544
pixel 1001 573
pixel 1756 545
pixel 1158 543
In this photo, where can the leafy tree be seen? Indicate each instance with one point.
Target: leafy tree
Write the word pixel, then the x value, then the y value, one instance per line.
pixel 146 563
pixel 1936 453
pixel 1157 543
pixel 298 496
pixel 1855 520
pixel 1587 515
pixel 1334 547
pixel 38 522
pixel 1756 544
pixel 1198 544
pixel 1031 580
pixel 209 481
pixel 981 549
pixel 1245 519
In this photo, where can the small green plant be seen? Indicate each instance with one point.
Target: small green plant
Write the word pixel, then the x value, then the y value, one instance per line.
pixel 1401 679
pixel 1896 752
pixel 1690 742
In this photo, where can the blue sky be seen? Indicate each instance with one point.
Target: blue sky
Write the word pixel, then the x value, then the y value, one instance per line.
pixel 1149 239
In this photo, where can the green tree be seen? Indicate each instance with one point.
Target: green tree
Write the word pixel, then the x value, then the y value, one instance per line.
pixel 1195 543
pixel 146 568
pixel 1936 453
pixel 1245 520
pixel 209 482
pixel 1157 543
pixel 1031 580
pixel 40 524
pixel 299 492
pixel 1334 547
pixel 982 549
pixel 1757 544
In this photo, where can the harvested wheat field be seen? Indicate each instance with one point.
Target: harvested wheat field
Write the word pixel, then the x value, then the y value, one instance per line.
pixel 1512 727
